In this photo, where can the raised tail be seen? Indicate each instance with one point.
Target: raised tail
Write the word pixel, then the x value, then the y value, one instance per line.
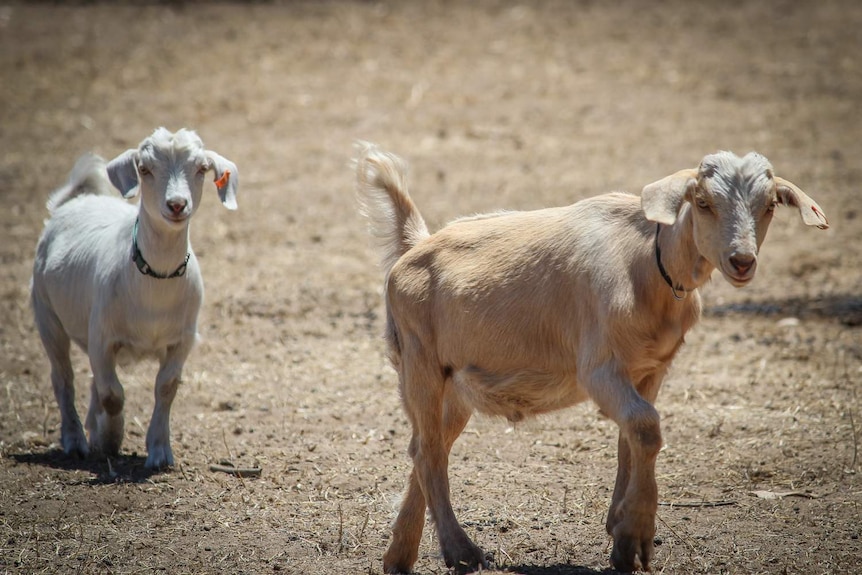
pixel 89 176
pixel 381 188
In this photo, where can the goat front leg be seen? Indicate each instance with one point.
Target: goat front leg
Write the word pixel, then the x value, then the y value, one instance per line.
pixel 631 517
pixel 648 389
pixel 159 452
pixel 624 462
pixel 105 422
pixel 634 516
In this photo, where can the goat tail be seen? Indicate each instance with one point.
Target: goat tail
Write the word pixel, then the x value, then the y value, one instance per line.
pixel 381 189
pixel 89 176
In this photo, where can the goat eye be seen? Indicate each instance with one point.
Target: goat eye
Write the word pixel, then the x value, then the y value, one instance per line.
pixel 143 170
pixel 702 204
pixel 771 207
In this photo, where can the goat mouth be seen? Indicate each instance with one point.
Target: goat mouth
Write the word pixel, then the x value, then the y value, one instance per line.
pixel 739 280
pixel 176 218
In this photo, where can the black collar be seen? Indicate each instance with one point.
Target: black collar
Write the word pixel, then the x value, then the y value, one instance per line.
pixel 145 268
pixel 675 288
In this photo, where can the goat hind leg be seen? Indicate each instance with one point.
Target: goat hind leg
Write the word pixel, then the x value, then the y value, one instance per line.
pixel 458 550
pixel 432 461
pixel 72 436
pixel 56 342
pixel 403 550
pixel 407 530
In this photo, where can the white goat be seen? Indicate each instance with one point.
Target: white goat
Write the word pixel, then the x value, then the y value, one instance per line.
pixel 521 313
pixel 114 277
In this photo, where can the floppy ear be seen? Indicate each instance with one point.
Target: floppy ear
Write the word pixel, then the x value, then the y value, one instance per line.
pixel 790 195
pixel 226 179
pixel 661 200
pixel 124 174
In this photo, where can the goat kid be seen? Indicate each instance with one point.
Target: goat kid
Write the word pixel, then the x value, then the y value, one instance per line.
pixel 122 281
pixel 521 313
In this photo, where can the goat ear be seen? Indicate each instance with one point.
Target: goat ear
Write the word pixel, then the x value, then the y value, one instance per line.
pixel 661 200
pixel 790 195
pixel 226 179
pixel 124 174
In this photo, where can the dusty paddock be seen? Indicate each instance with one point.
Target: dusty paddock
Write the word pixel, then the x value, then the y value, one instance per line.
pixel 497 105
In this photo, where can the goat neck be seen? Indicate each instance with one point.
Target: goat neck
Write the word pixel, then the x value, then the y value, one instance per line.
pixel 679 255
pixel 163 247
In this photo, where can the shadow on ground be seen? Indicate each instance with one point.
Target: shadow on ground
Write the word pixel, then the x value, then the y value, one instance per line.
pixel 122 469
pixel 846 308
pixel 556 570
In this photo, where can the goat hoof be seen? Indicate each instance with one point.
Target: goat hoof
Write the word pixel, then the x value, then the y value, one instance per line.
pixel 81 451
pixel 630 554
pixel 468 559
pixel 394 568
pixel 160 458
pixel 397 565
pixel 75 444
pixel 401 555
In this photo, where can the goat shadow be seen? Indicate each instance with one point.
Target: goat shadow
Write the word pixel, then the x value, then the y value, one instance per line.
pixel 105 470
pixel 845 308
pixel 562 569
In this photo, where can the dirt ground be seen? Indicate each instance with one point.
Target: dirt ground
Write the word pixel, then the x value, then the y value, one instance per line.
pixel 496 105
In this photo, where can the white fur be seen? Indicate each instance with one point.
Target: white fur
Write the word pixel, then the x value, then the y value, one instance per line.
pixel 86 288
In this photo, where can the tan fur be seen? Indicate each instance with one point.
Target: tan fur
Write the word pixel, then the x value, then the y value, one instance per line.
pixel 521 313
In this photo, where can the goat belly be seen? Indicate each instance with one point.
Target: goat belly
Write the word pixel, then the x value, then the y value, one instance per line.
pixel 517 394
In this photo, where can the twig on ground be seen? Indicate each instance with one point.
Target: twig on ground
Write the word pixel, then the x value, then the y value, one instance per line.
pixel 769 495
pixel 362 529
pixel 237 471
pixel 698 503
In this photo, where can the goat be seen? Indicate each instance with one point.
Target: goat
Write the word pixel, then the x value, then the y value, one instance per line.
pixel 516 314
pixel 121 281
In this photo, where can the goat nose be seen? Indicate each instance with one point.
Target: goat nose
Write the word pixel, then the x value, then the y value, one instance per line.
pixel 177 206
pixel 742 262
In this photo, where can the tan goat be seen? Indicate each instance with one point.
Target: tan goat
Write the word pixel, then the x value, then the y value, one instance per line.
pixel 521 313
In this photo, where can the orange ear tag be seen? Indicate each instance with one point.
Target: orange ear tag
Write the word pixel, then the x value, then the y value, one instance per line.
pixel 222 181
